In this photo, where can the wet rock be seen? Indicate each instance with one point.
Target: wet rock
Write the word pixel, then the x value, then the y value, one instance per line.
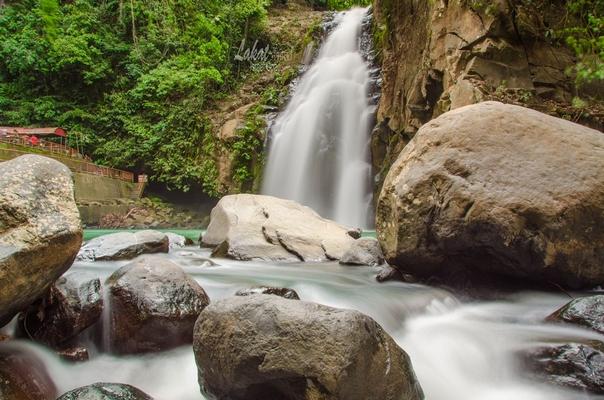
pixel 586 311
pixel 574 365
pixel 124 246
pixel 363 251
pixel 153 305
pixel 388 273
pixel 276 291
pixel 254 227
pixel 178 241
pixel 267 347
pixel 23 375
pixel 74 303
pixel 40 231
pixel 106 391
pixel 74 354
pixel 479 192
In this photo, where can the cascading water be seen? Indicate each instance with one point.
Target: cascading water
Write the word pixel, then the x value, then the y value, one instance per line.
pixel 319 151
pixel 459 351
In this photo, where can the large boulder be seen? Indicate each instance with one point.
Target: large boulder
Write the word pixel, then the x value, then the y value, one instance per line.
pixel 106 391
pixel 496 189
pixel 574 365
pixel 363 251
pixel 255 227
pixel 586 311
pixel 23 375
pixel 74 303
pixel 267 347
pixel 124 246
pixel 153 305
pixel 40 230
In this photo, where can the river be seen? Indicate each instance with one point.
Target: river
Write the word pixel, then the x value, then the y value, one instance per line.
pixel 460 351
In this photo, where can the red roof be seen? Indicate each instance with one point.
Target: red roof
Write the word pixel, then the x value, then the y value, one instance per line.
pixel 34 131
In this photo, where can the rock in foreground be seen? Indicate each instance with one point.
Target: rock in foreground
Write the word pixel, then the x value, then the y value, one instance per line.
pixel 254 227
pixel 153 305
pixel 494 189
pixel 267 347
pixel 124 246
pixel 74 303
pixel 40 230
pixel 106 391
pixel 573 365
pixel 363 251
pixel 586 311
pixel 23 375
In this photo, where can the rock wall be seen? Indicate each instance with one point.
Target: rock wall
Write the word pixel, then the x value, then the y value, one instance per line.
pixel 443 54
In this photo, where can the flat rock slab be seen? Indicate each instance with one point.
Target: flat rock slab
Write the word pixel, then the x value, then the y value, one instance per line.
pixel 124 246
pixel 255 227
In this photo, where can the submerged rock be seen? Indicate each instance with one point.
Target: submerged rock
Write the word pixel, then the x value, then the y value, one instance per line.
pixel 363 251
pixel 152 306
pixel 574 365
pixel 23 375
pixel 74 303
pixel 74 354
pixel 480 192
pixel 40 230
pixel 254 227
pixel 276 291
pixel 106 391
pixel 586 311
pixel 267 347
pixel 124 246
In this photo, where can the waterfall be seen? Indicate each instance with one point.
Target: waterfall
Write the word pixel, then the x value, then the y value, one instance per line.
pixel 319 150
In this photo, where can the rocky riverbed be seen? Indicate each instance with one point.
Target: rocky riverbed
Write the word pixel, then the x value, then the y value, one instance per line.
pixel 278 302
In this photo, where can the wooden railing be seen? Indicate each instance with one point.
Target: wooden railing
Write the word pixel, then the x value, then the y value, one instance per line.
pixel 44 145
pixel 76 165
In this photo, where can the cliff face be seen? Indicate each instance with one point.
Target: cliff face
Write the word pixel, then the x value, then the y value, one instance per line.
pixel 439 55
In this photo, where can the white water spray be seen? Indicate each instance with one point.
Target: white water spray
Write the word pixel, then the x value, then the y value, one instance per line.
pixel 319 154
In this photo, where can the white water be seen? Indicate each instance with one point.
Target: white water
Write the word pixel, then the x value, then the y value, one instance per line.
pixel 459 351
pixel 319 151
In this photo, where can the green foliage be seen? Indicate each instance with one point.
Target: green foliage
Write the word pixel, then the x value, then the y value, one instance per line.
pixel 131 77
pixel 586 38
pixel 248 147
pixel 338 4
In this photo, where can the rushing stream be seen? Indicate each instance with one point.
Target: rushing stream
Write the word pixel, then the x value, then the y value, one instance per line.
pixel 319 152
pixel 459 351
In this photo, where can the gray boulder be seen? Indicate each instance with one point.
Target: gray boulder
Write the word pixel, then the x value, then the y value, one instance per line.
pixel 106 391
pixel 267 347
pixel 124 246
pixel 40 230
pixel 492 189
pixel 586 311
pixel 153 306
pixel 254 227
pixel 577 366
pixel 74 303
pixel 363 251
